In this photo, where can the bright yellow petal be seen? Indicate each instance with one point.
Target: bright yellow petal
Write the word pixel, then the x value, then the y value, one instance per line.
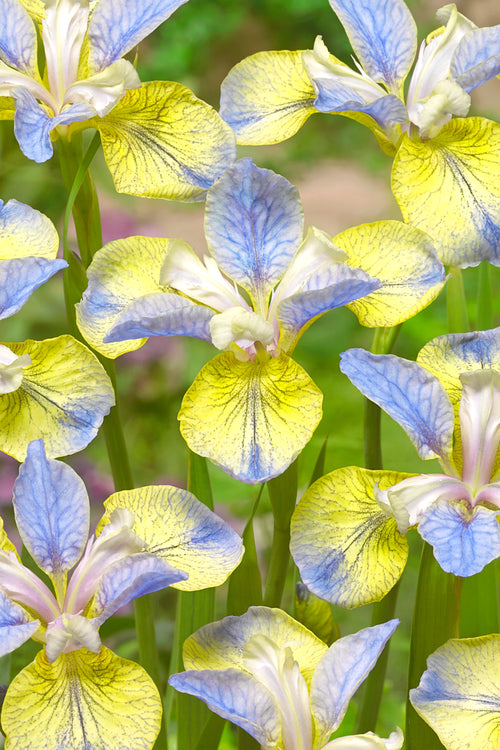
pixel 160 141
pixel 63 398
pixel 36 8
pixel 121 272
pixel 267 97
pixel 81 701
pixel 7 108
pixel 404 260
pixel 5 543
pixel 347 549
pixel 251 419
pixel 449 187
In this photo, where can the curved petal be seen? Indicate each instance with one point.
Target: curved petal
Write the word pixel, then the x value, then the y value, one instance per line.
pixel 18 47
pixel 384 53
pixel 477 58
pixel 115 29
pixel 121 272
pixel 32 125
pixel 267 97
pixel 459 693
pixel 52 511
pixel 20 277
pixel 235 696
pixel 367 741
pixel 16 626
pixel 463 540
pixel 405 262
pixel 253 226
pixel 25 232
pixel 450 188
pixel 178 528
pixel 348 549
pixel 161 141
pixel 409 394
pixel 63 398
pixel 128 579
pixel 82 700
pixel 251 419
pixel 340 672
pixel 221 645
pixel 161 314
pixel 335 98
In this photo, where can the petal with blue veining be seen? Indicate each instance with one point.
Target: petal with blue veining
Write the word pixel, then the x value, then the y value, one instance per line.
pixel 16 626
pixel 25 232
pixel 18 45
pixel 477 57
pixel 20 277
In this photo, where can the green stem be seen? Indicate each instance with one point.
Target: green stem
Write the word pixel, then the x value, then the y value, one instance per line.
pixel 484 298
pixel 435 620
pixel 458 318
pixel 283 494
pixel 83 204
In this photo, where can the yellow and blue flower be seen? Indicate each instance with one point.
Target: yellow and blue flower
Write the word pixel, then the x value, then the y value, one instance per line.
pixel 446 174
pixel 158 139
pixel 252 408
pixel 77 693
pixel 348 530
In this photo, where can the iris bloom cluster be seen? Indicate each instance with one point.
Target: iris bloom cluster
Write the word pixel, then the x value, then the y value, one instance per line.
pixel 348 529
pixel 445 175
pixel 271 676
pixel 252 408
pixel 158 138
pixel 56 388
pixel 77 693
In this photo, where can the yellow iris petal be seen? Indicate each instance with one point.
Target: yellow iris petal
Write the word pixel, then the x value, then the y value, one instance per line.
pixel 449 187
pixel 63 397
pixel 121 272
pixel 347 549
pixel 160 141
pixel 250 418
pixel 27 233
pixel 272 95
pixel 5 543
pixel 36 8
pixel 82 700
pixel 7 108
pixel 401 257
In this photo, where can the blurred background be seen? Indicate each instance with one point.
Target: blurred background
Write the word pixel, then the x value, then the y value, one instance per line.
pixel 343 179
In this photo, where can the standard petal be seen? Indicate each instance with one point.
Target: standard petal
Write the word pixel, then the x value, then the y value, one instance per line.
pixel 340 672
pixel 52 511
pixel 178 528
pixel 253 226
pixel 236 696
pixel 463 540
pixel 405 262
pixel 459 693
pixel 251 419
pixel 63 398
pixel 449 187
pixel 161 141
pixel 20 277
pixel 332 286
pixel 26 232
pixel 121 272
pixel 18 47
pixel 128 579
pixel 348 550
pixel 477 58
pixel 385 54
pixel 161 314
pixel 409 394
pixel 267 97
pixel 115 29
pixel 81 701
pixel 16 626
pixel 32 125
pixel 221 645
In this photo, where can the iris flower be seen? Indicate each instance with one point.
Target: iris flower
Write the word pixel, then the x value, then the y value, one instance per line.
pixel 446 174
pixel 158 138
pixel 55 389
pixel 271 676
pixel 459 693
pixel 77 693
pixel 252 408
pixel 348 529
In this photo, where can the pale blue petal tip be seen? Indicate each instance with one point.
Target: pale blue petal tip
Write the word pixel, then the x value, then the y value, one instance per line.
pixel 20 277
pixel 477 58
pixel 336 97
pixel 15 625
